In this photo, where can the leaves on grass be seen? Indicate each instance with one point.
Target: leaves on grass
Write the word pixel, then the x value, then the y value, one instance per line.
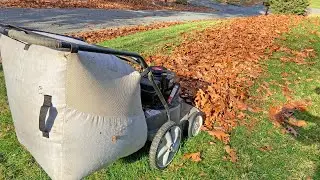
pixel 110 33
pixel 218 65
pixel 232 154
pixel 265 148
pixel 283 116
pixel 222 136
pixel 298 57
pixel 196 157
pixel 298 123
pixel 101 4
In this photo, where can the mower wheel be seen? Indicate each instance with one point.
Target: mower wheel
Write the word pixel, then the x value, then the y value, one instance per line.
pixel 195 123
pixel 165 145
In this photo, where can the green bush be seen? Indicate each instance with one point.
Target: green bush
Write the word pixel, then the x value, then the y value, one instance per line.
pixel 185 2
pixel 298 7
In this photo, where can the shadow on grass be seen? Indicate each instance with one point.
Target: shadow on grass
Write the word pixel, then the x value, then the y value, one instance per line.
pixel 140 154
pixel 311 134
pixel 317 173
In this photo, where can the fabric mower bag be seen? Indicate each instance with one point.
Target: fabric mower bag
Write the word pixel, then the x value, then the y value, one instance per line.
pixel 75 112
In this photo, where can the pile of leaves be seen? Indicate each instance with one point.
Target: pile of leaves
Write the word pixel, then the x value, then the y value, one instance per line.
pixel 101 4
pixel 110 33
pixel 218 65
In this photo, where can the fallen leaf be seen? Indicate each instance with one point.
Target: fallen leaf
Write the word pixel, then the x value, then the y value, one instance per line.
pixel 202 174
pixel 298 123
pixel 284 74
pixel 222 136
pixel 232 153
pixel 265 148
pixel 114 139
pixel 284 131
pixel 196 157
pixel 242 106
pixel 308 178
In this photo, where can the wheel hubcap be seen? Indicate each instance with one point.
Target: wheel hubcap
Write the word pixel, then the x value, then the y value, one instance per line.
pixel 169 146
pixel 197 125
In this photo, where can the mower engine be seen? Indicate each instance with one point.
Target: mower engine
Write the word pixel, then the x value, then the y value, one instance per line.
pixel 165 80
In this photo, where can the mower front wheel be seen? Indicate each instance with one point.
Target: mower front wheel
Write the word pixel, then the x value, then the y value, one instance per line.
pixel 165 145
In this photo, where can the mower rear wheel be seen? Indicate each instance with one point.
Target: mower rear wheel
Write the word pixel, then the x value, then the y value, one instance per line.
pixel 165 145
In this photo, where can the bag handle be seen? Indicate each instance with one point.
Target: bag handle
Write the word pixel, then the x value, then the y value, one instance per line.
pixel 47 103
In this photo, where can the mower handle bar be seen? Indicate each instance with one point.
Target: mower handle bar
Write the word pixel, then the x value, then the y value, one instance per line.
pixel 29 37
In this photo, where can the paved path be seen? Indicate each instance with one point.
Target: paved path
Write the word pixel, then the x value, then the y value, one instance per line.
pixel 73 20
pixel 227 9
pixel 314 11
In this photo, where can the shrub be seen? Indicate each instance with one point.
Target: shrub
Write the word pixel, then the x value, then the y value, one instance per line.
pixel 185 2
pixel 298 7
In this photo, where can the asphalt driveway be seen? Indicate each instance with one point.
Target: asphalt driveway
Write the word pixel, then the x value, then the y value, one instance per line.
pixel 74 20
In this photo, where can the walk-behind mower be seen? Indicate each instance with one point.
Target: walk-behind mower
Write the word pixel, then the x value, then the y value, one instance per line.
pixel 77 107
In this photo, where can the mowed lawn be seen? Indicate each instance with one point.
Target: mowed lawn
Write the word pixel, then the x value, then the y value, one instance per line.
pixel 287 157
pixel 315 3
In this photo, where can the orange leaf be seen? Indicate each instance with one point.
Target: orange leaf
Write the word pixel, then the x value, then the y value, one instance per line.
pixel 196 157
pixel 232 153
pixel 222 136
pixel 298 123
pixel 265 148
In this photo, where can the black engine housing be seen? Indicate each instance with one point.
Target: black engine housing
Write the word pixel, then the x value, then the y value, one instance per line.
pixel 164 79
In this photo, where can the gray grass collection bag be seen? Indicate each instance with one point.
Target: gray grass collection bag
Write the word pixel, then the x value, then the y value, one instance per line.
pixel 74 112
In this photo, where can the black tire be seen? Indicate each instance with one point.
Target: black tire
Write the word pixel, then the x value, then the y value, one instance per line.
pixel 193 119
pixel 158 140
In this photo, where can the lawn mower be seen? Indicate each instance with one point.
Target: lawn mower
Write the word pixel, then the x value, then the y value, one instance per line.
pixel 65 119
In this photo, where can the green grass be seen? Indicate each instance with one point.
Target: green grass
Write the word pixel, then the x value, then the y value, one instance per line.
pixel 315 3
pixel 155 41
pixel 290 158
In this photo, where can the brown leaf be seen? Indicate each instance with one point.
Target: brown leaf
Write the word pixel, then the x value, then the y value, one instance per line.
pixel 222 136
pixel 242 106
pixel 284 74
pixel 196 157
pixel 265 148
pixel 298 123
pixel 308 178
pixel 232 153
pixel 114 139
